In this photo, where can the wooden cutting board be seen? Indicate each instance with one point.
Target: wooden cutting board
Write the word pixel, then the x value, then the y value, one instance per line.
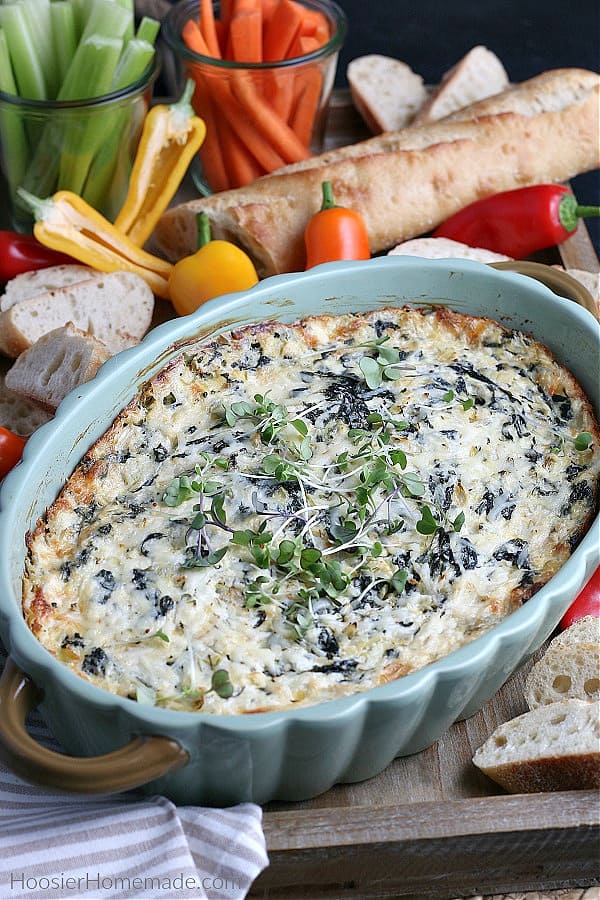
pixel 431 826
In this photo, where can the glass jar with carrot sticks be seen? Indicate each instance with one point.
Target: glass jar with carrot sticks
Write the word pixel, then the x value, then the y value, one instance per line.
pixel 264 71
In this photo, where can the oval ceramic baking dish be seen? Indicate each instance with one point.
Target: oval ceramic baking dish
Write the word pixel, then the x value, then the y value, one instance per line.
pixel 295 754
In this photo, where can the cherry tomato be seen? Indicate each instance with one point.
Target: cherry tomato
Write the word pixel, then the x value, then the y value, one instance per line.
pixel 11 448
pixel 586 603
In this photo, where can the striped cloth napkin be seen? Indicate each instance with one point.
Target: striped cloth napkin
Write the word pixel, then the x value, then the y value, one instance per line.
pixel 55 845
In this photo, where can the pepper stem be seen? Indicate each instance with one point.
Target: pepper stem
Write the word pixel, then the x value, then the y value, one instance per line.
pixel 183 106
pixel 203 224
pixel 569 212
pixel 328 201
pixel 38 207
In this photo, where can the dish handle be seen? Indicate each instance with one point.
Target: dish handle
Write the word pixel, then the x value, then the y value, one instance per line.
pixel 559 282
pixel 143 759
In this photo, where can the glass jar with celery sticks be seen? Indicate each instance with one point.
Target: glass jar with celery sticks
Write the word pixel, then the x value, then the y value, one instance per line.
pixel 76 78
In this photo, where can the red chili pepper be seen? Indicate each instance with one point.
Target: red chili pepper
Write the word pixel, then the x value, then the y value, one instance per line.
pixel 520 222
pixel 11 448
pixel 23 253
pixel 335 232
pixel 586 603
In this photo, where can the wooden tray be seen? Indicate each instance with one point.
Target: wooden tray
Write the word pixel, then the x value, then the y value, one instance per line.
pixel 431 825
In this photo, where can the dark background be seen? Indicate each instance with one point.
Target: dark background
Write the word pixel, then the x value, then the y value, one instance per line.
pixel 529 36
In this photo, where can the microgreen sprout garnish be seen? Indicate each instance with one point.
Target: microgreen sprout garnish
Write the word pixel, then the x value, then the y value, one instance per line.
pixel 382 366
pixel 269 417
pixel 583 441
pixel 220 684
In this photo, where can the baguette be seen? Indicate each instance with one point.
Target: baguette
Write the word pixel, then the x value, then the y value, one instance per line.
pixel 18 414
pixel 444 248
pixel 385 91
pixel 565 671
pixel 405 183
pixel 116 309
pixel 56 364
pixel 29 284
pixel 550 748
pixel 479 74
pixel 584 631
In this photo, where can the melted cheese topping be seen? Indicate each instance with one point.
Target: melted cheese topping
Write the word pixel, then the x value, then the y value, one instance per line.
pixel 297 512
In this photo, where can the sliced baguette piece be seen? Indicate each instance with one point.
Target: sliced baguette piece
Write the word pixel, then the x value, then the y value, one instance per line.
pixel 385 91
pixel 404 183
pixel 18 414
pixel 550 748
pixel 564 672
pixel 584 631
pixel 116 309
pixel 57 363
pixel 444 248
pixel 479 74
pixel 29 284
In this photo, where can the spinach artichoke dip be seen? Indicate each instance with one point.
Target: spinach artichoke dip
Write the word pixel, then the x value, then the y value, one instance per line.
pixel 293 513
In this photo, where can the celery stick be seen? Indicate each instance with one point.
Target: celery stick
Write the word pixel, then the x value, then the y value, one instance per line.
pixel 128 6
pixel 106 18
pixel 109 172
pixel 99 59
pixel 37 15
pixel 15 150
pixel 26 65
pixel 148 30
pixel 135 59
pixel 64 35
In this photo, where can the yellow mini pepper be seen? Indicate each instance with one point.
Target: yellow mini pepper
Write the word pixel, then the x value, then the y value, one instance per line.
pixel 170 137
pixel 67 223
pixel 217 267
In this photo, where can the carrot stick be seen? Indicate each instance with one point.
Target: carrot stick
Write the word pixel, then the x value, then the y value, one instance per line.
pixel 279 92
pixel 266 122
pixel 268 8
pixel 242 167
pixel 207 26
pixel 303 44
pixel 226 12
pixel 194 39
pixel 303 115
pixel 245 33
pixel 244 124
pixel 211 154
pixel 315 24
pixel 284 25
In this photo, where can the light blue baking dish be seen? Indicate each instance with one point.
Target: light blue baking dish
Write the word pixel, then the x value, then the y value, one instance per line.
pixel 296 754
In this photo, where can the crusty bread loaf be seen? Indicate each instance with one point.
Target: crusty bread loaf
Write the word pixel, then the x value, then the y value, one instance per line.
pixel 551 748
pixel 445 248
pixel 565 671
pixel 479 74
pixel 57 363
pixel 18 414
pixel 405 183
pixel 29 284
pixel 385 91
pixel 116 309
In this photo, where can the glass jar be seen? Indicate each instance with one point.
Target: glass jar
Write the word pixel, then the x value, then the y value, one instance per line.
pixel 86 146
pixel 259 115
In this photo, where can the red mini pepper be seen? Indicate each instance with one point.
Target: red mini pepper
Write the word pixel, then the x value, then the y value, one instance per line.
pixel 586 603
pixel 520 222
pixel 335 232
pixel 23 253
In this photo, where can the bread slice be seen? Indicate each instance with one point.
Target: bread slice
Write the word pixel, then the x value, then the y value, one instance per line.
pixel 564 672
pixel 57 363
pixel 444 248
pixel 406 182
pixel 479 74
pixel 28 284
pixel 116 309
pixel 551 748
pixel 584 631
pixel 18 414
pixel 385 91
